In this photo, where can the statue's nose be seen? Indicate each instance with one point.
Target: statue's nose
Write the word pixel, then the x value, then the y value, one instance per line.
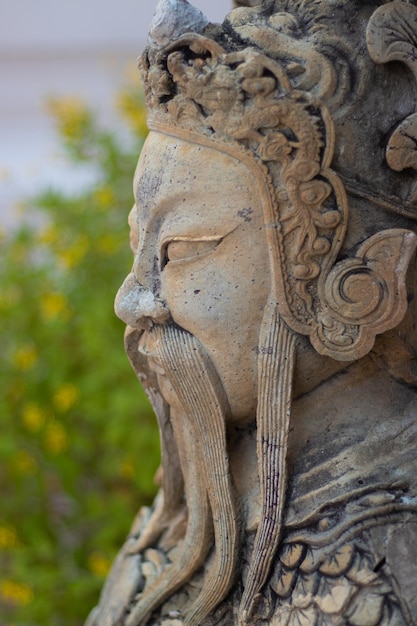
pixel 138 307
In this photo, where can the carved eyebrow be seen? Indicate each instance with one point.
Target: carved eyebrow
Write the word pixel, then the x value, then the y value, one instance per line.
pixel 189 238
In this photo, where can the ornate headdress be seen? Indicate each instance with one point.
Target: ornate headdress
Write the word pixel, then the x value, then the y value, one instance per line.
pixel 268 87
pixel 265 88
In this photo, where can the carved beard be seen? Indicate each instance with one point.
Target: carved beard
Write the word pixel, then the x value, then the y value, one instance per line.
pixel 202 451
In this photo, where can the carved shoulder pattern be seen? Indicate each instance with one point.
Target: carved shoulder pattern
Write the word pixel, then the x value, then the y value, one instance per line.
pixel 331 573
pixel 319 587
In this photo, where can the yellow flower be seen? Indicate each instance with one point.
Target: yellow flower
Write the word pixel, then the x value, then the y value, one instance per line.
pixel 33 416
pixel 26 357
pixel 56 438
pixel 25 463
pixel 8 538
pixel 48 235
pixel 72 116
pixel 54 305
pixel 72 256
pixel 99 564
pixel 15 593
pixel 65 397
pixel 104 197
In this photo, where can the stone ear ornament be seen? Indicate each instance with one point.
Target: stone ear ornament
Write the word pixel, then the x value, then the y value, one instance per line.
pixel 392 36
pixel 365 295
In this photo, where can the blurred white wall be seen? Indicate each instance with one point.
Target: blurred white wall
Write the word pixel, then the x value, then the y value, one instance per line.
pixel 59 48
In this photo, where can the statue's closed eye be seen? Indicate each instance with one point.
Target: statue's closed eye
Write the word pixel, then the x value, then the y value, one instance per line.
pixel 187 249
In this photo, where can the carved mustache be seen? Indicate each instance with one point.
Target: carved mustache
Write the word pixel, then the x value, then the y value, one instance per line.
pixel 208 486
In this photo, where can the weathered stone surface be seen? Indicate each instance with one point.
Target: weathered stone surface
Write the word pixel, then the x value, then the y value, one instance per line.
pixel 271 314
pixel 174 18
pixel 401 556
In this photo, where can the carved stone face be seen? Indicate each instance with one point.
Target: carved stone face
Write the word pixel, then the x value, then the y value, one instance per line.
pixel 200 247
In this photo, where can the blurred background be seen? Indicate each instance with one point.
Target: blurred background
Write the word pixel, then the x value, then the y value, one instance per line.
pixel 47 48
pixel 79 445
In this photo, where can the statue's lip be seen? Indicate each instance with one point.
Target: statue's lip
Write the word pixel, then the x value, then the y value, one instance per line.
pixel 155 365
pixel 153 360
pixel 147 348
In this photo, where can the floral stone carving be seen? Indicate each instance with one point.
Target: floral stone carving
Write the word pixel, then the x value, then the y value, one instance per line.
pixel 271 317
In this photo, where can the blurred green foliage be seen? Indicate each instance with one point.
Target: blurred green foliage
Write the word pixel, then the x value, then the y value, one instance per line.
pixel 79 444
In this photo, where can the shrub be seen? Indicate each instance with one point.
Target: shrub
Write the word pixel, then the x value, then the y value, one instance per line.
pixel 79 443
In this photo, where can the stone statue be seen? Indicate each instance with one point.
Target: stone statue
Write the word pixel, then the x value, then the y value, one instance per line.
pixel 271 315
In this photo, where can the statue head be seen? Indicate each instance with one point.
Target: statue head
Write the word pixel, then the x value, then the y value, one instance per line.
pixel 255 227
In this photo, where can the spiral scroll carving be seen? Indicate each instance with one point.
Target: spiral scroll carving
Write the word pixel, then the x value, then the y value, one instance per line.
pixel 355 292
pixel 363 296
